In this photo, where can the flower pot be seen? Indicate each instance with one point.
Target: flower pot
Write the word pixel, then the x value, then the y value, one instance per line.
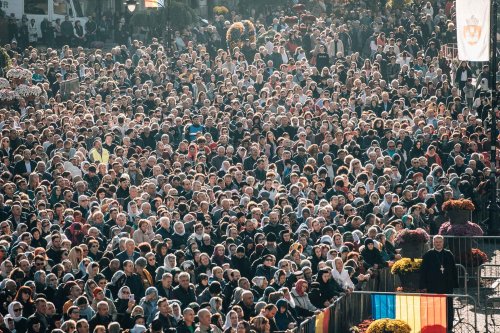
pixel 414 250
pixel 459 216
pixel 410 281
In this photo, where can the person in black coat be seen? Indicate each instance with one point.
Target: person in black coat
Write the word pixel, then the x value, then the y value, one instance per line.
pixel 322 58
pixel 241 262
pixel 372 256
pixel 101 317
pixel 187 325
pixel 184 292
pixel 438 273
pixel 166 320
pixel 26 165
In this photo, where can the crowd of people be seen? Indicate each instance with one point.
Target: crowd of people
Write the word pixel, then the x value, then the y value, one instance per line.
pixel 203 189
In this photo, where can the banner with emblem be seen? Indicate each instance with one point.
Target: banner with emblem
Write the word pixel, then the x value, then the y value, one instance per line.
pixel 473 30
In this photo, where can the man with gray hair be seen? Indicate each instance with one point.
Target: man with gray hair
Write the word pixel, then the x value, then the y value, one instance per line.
pixel 438 273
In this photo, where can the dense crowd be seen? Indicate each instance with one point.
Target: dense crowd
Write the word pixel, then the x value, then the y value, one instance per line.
pixel 202 189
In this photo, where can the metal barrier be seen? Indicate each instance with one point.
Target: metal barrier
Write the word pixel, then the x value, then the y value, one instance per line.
pixel 450 50
pixel 488 285
pixel 388 282
pixel 464 250
pixel 351 309
pixel 492 313
pixel 463 277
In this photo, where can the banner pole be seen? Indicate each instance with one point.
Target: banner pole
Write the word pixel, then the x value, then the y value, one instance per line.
pixel 493 206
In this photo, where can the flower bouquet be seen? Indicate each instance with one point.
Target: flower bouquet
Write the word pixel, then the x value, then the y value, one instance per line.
pixel 221 10
pixel 461 242
pixel 413 243
pixel 28 92
pixel 458 211
pixel 361 327
pixel 389 325
pixel 408 270
pixel 4 83
pixel 473 258
pixel 466 229
pixel 406 266
pixel 8 96
pixel 19 75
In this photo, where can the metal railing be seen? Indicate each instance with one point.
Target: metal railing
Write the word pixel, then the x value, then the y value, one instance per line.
pixel 450 50
pixel 388 282
pixel 488 282
pixel 492 314
pixel 353 308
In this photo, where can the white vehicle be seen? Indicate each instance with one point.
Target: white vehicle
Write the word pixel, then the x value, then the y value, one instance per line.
pixel 40 9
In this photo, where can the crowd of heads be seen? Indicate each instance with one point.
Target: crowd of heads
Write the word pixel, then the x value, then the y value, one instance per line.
pixel 207 189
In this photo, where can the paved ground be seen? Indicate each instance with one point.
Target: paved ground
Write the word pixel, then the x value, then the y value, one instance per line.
pixel 466 309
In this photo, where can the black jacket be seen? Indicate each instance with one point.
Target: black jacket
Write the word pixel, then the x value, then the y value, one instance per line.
pixel 184 296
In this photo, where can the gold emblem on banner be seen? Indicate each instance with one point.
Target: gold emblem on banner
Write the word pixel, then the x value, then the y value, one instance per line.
pixel 472 31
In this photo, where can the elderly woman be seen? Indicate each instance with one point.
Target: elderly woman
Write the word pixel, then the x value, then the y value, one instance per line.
pixel 340 274
pixel 148 303
pixel 303 304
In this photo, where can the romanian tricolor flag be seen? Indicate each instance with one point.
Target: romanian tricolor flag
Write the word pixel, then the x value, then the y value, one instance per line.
pixel 323 321
pixel 153 3
pixel 424 314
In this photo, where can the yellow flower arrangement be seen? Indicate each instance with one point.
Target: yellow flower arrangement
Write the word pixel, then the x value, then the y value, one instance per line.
pixel 406 265
pixel 221 10
pixel 389 325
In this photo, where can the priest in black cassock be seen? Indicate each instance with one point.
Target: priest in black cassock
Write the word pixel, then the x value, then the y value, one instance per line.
pixel 438 274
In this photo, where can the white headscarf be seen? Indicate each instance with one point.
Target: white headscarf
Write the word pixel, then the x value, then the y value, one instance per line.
pixel 227 324
pixel 12 313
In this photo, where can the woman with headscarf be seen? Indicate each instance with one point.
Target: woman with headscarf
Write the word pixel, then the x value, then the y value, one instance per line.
pixel 7 325
pixel 371 255
pixel 133 213
pixel 88 289
pixel 176 312
pixel 202 283
pixel 303 304
pixel 117 281
pixel 215 305
pixel 39 278
pixel 265 295
pixel 283 318
pixel 218 257
pixel 231 321
pixel 5 268
pixel 329 287
pixel 50 287
pixel 259 285
pixel 148 303
pixel 124 304
pixel 279 279
pixel 169 264
pixel 15 310
pixel 179 238
pixel 340 274
pixel 388 246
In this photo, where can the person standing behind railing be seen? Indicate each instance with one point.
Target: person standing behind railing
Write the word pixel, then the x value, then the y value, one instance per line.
pixel 438 274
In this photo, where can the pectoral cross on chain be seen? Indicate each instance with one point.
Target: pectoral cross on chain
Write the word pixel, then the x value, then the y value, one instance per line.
pixel 442 269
